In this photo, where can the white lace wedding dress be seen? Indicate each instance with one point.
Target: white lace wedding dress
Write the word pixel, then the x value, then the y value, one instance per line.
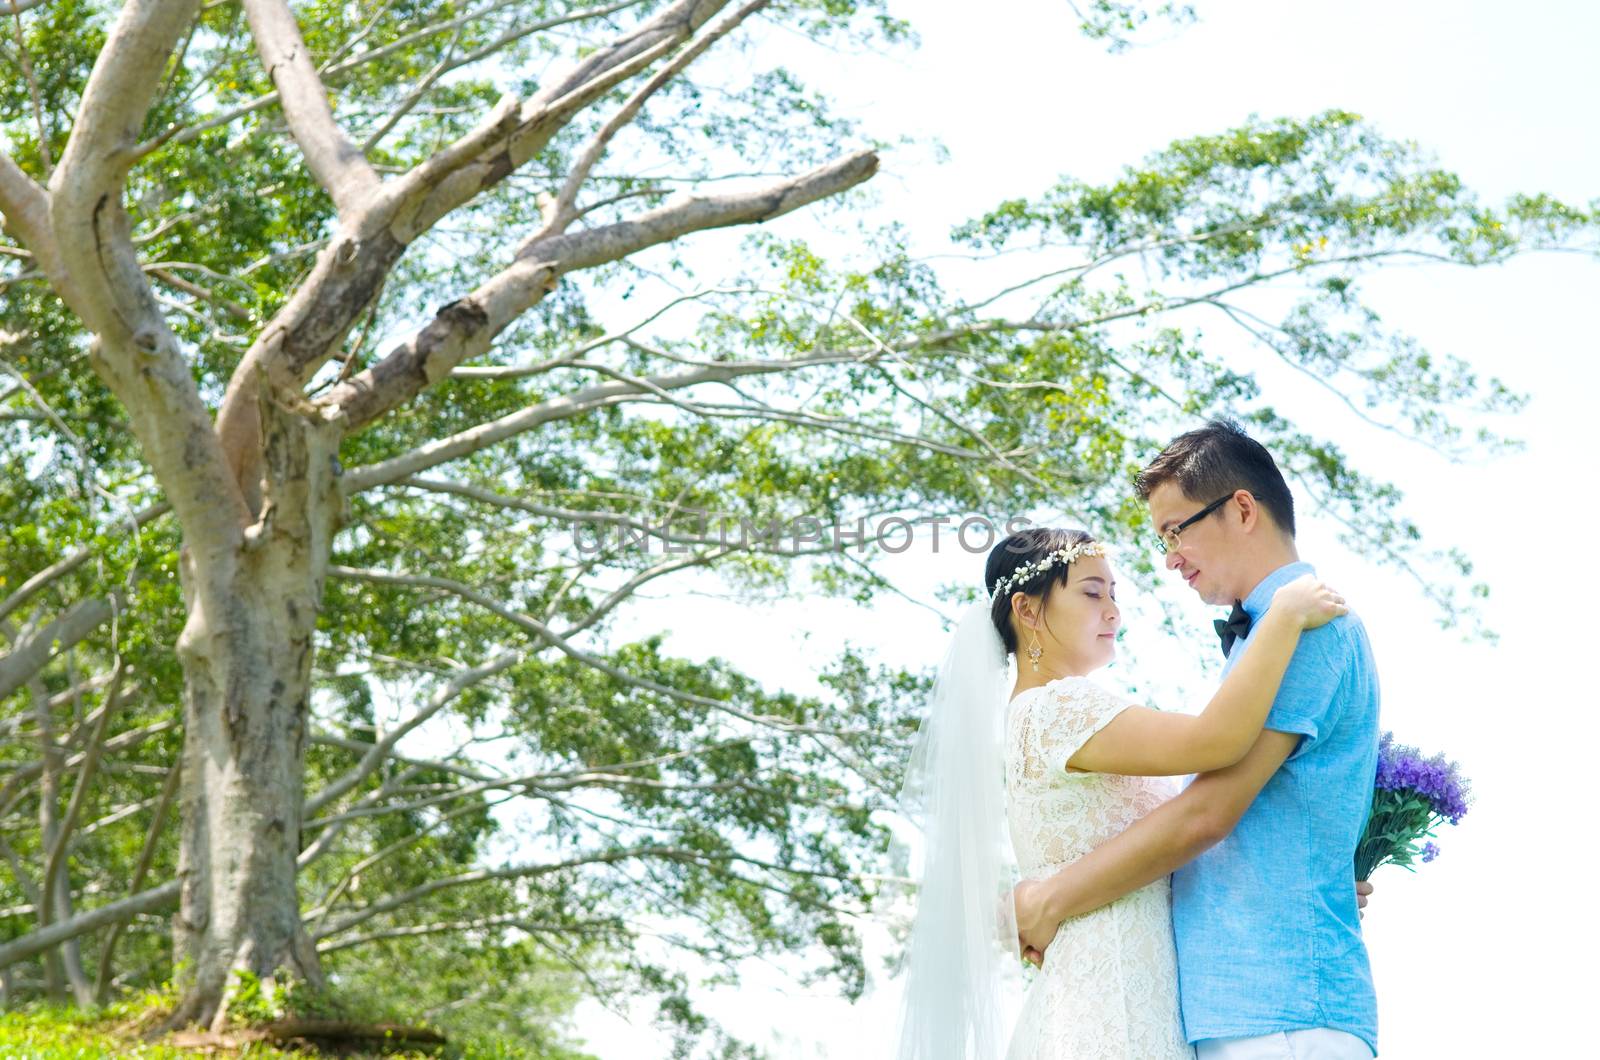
pixel 1108 988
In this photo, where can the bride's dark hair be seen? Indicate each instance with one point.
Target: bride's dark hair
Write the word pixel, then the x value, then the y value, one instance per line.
pixel 1021 548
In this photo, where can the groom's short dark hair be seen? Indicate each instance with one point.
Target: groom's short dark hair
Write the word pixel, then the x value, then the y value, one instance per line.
pixel 1214 460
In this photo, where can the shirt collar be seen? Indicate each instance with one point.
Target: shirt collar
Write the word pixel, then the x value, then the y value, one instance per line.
pixel 1260 597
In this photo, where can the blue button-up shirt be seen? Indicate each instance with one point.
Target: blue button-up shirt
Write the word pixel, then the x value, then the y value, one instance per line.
pixel 1268 935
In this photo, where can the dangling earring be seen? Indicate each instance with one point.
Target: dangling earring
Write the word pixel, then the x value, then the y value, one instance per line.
pixel 1034 651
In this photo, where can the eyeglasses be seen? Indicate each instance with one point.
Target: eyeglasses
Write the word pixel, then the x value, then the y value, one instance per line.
pixel 1167 541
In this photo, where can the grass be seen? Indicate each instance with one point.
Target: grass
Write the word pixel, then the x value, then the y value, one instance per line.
pixel 71 1034
pixel 45 1033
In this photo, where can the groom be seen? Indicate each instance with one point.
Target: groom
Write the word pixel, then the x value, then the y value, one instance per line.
pixel 1271 962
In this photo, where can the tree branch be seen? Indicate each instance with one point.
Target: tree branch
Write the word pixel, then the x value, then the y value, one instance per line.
pixel 314 917
pixel 24 205
pixel 167 276
pixel 156 899
pixel 415 930
pixel 421 891
pixel 25 213
pixel 466 328
pixel 543 632
pixel 350 271
pixel 562 210
pixel 134 349
pixel 334 161
pixel 328 739
pixel 70 564
pixel 565 406
pixel 383 796
pixel 35 651
pixel 572 356
pixel 80 791
pixel 146 858
pixel 93 165
pixel 337 70
pixel 667 566
pixel 398 112
pixel 835 424
pixel 513 133
pixel 577 515
pixel 374 757
pixel 22 774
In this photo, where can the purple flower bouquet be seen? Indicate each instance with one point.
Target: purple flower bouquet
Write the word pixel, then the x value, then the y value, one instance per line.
pixel 1411 797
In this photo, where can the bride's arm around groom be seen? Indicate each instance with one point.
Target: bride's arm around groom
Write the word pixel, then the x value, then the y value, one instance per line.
pixel 1170 836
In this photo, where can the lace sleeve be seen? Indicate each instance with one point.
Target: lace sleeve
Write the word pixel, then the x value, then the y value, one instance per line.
pixel 1068 713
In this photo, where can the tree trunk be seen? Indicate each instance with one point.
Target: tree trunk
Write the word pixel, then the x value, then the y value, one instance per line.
pixel 246 651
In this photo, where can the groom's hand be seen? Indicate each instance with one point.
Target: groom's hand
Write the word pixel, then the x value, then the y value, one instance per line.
pixel 1363 888
pixel 1035 927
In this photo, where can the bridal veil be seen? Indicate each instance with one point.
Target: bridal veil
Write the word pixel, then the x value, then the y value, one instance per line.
pixel 963 969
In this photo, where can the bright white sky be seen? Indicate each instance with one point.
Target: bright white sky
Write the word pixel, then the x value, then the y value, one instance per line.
pixel 1487 951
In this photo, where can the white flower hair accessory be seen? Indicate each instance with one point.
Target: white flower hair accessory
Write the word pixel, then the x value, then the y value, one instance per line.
pixel 1025 573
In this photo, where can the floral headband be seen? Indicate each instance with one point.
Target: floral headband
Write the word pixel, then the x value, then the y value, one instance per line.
pixel 1025 573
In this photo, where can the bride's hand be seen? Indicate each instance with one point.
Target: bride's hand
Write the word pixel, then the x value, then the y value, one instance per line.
pixel 1035 929
pixel 1310 602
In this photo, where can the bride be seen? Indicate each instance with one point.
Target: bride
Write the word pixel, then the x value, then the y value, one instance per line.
pixel 1029 780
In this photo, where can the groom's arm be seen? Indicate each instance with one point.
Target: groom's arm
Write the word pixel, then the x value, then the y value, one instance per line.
pixel 1172 835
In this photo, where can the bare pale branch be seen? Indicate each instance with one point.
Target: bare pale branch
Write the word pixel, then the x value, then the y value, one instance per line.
pixel 522 923
pixel 25 213
pixel 314 917
pixel 514 132
pixel 405 898
pixel 350 271
pixel 24 773
pixel 94 163
pixel 34 652
pixel 560 641
pixel 372 802
pixel 374 757
pixel 155 900
pixel 466 328
pixel 338 69
pixel 52 880
pixel 437 765
pixel 562 210
pixel 70 563
pixel 134 350
pixel 335 162
pixel 600 395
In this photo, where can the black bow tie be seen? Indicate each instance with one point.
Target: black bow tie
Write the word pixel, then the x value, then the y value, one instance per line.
pixel 1230 629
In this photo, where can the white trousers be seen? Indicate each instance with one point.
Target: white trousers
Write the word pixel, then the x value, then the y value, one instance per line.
pixel 1319 1043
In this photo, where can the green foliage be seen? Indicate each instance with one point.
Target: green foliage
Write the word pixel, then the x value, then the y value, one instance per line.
pixel 583 801
pixel 1319 203
pixel 253 1000
pixel 1118 24
pixel 46 1032
pixel 122 1030
pixel 73 1035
